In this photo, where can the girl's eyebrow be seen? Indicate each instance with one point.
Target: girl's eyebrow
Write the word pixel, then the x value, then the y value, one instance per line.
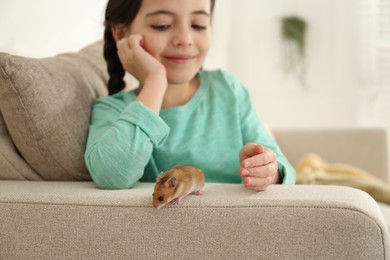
pixel 165 12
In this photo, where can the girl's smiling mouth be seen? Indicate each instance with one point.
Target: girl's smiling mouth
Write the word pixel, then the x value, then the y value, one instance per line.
pixel 180 59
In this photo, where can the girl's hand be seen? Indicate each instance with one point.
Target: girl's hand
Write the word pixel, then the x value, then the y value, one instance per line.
pixel 259 168
pixel 136 60
pixel 148 70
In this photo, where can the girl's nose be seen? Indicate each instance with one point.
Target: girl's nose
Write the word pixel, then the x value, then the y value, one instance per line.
pixel 183 37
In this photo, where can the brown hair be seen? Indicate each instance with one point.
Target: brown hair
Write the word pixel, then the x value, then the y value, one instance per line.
pixel 119 12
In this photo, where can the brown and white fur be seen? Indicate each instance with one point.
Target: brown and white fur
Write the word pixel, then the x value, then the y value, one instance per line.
pixel 176 183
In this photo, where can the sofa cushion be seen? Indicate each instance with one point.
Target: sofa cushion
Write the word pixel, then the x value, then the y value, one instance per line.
pixel 46 106
pixel 12 165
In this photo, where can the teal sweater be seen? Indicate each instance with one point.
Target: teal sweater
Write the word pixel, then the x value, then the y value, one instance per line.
pixel 128 142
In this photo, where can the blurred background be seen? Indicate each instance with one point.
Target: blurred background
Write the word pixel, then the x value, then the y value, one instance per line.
pixel 335 73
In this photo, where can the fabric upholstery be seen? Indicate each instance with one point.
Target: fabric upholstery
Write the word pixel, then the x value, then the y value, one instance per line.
pixel 74 220
pixel 12 165
pixel 46 106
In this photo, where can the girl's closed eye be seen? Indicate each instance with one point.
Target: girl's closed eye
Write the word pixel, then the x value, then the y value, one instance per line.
pixel 161 27
pixel 199 27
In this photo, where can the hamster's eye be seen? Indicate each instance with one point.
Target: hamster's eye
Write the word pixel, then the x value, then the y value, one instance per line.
pixel 161 198
pixel 153 194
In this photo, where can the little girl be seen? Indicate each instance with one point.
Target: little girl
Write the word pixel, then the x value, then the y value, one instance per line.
pixel 180 114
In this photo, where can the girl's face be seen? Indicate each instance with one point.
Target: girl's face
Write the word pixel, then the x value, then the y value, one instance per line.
pixel 176 33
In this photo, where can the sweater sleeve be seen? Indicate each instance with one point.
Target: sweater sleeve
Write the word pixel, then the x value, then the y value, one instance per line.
pixel 253 130
pixel 120 142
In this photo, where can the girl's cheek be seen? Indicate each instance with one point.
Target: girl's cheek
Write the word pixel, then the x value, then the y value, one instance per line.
pixel 147 48
pixel 150 48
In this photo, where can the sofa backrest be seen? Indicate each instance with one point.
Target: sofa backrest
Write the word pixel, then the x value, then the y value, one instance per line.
pixel 365 148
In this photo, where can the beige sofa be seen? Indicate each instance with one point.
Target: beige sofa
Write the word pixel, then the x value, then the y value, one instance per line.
pixel 72 219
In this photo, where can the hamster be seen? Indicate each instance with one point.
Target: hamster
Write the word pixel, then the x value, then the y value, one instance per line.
pixel 176 183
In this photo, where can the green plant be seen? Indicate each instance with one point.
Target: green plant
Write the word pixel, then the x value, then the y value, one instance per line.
pixel 294 37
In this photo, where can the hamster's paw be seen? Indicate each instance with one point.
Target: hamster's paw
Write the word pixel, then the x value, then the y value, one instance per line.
pixel 176 201
pixel 198 192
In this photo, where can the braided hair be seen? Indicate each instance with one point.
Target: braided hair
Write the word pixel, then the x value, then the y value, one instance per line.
pixel 119 12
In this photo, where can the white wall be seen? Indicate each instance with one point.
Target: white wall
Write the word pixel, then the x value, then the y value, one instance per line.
pixel 246 42
pixel 42 28
pixel 252 49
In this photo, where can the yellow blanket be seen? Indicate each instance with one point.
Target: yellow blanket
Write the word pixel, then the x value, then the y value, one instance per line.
pixel 312 169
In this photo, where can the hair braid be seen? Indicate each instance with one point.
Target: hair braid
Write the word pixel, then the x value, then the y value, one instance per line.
pixel 114 66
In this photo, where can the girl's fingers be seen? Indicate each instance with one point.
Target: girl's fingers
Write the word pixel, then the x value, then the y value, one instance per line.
pixel 259 172
pixel 250 150
pixel 135 41
pixel 264 158
pixel 128 44
pixel 257 184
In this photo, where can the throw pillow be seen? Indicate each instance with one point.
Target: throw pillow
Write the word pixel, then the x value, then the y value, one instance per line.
pixel 12 165
pixel 46 105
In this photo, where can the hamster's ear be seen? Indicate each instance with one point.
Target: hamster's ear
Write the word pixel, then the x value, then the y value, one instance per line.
pixel 172 182
pixel 118 31
pixel 160 177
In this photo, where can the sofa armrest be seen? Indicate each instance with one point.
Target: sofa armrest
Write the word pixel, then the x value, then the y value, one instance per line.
pixel 77 221
pixel 366 148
